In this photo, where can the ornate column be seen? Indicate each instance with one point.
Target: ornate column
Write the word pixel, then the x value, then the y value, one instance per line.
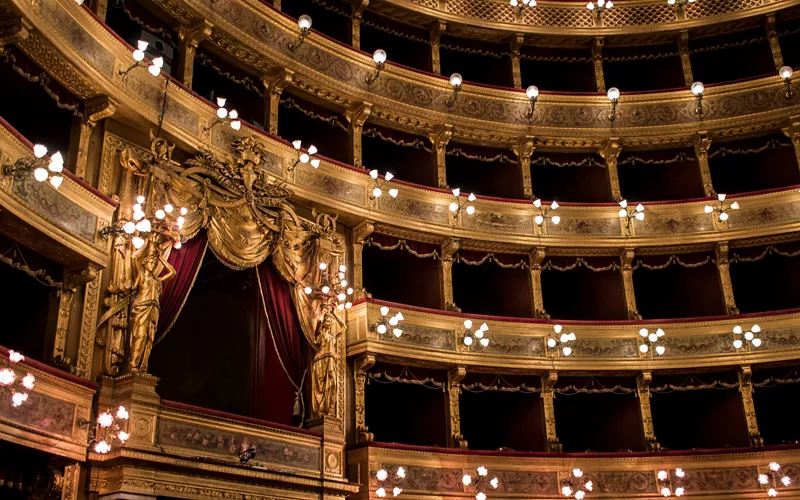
pixel 597 60
pixel 360 233
pixel 626 261
pixel 746 390
pixel 701 144
pixel 516 73
pixel 438 28
pixel 357 12
pixel 610 153
pixel 361 366
pixel 723 267
pixel 524 150
pixel 273 88
pixel 190 37
pixel 449 248
pixel 549 380
pixel 792 131
pixel 95 110
pixel 774 43
pixel 537 298
pixel 454 437
pixel 73 280
pixel 643 391
pixel 439 139
pixel 356 116
pixel 686 61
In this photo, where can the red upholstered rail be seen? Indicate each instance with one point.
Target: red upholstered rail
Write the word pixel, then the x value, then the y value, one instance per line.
pixel 51 370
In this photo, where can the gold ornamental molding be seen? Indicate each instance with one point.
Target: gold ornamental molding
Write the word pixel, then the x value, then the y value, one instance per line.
pixel 434 339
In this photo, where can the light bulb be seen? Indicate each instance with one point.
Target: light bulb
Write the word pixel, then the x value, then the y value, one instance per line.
pixel 721 196
pixel 484 327
pixel 624 203
pixel 639 216
pixel 763 479
pixel 571 337
pixel 105 419
pixel 312 149
pixel 221 102
pixel 708 209
pixel 56 181
pixel 470 210
pixel 382 329
pixel 551 343
pixel 129 227
pixel 557 328
pixel 15 357
pixel 643 348
pixel 56 162
pixel 142 45
pixel 772 492
pixel 40 174
pixel 377 192
pixel 122 413
pixel 399 316
pixel 756 329
pixel 144 226
pixel 466 479
pixel 554 205
pixel 723 216
pixel 123 436
pixel 471 197
pixel 389 176
pixel 236 125
pixel 482 471
pixel 468 341
pixel 480 496
pixel 774 466
pixel 613 92
pixel 456 191
pixel 138 55
pixel 567 351
pixel 380 492
pixel 735 205
pixel 384 311
pixel 467 324
pixel 622 212
pixel 323 266
pixel 18 398
pixel 749 336
pixel 564 338
pixel 7 376
pixel 697 88
pixel 453 207
pixel 532 92
pixel 756 342
pixel 494 482
pixel 373 174
pixel 381 475
pixel 538 220
pixel 737 329
pixel 537 203
pixel 393 193
pixel 102 447
pixel 652 337
pixel 155 71
pixel 665 492
pixel 401 473
pixel 160 214
pixel 785 72
pixel 137 242
pixel 679 472
pixel 326 289
pixel 180 221
pixel 786 480
pixel 643 332
pixel 297 144
pixel 456 80
pixel 737 344
pixel 590 6
pixel 393 320
pixel 640 208
pixel 168 208
pixel 566 491
pixel 662 475
pixel 304 22
pixel 315 163
pixel 660 350
pixel 233 114
pixel 660 332
pixel 580 494
pixel 679 491
pixel 39 150
pixel 397 332
pixel 397 490
pixel 379 56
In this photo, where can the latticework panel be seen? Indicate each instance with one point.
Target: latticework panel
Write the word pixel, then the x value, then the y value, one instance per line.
pixel 707 8
pixel 494 11
pixel 639 15
pixel 562 18
pixel 433 4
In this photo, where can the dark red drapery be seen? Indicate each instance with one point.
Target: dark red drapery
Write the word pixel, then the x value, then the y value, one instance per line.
pixel 281 375
pixel 186 262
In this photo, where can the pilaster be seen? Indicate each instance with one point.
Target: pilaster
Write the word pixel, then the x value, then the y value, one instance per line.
pixel 361 366
pixel 524 151
pixel 356 116
pixel 439 27
pixel 95 110
pixel 73 280
pixel 137 393
pixel 686 60
pixel 774 43
pixel 536 257
pixel 549 380
pixel 439 139
pixel 333 443
pixel 273 88
pixel 597 60
pixel 643 381
pixel 746 390
pixel 701 145
pixel 356 15
pixel 449 249
pixel 723 268
pixel 516 72
pixel 454 437
pixel 360 233
pixel 190 37
pixel 626 261
pixel 610 152
pixel 792 131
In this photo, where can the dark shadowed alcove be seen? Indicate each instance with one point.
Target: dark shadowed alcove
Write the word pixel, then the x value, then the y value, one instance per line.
pixel 483 170
pixel 698 411
pixel 407 45
pixel 765 278
pixel 477 61
pixel 638 68
pixel 789 36
pixel 493 284
pixel 408 157
pixel 717 59
pixel 776 393
pixel 660 175
pixel 247 97
pixel 406 405
pixel 314 124
pixel 578 177
pixel 755 164
pixel 585 288
pixel 333 22
pixel 559 69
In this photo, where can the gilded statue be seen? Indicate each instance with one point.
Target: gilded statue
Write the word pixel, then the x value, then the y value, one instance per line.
pixel 149 276
pixel 325 366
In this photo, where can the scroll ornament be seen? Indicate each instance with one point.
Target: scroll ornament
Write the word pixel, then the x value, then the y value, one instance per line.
pixel 248 218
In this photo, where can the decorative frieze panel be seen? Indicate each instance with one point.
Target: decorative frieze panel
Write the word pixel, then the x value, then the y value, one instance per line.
pixel 54 206
pixel 422 336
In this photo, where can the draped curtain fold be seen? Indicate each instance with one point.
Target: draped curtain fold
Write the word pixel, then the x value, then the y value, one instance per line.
pixel 186 263
pixel 283 375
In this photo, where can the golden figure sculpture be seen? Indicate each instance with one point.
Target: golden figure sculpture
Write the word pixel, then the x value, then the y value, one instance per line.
pixel 148 283
pixel 324 367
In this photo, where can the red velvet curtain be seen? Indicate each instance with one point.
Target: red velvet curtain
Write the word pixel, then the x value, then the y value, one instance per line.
pixel 186 262
pixel 281 367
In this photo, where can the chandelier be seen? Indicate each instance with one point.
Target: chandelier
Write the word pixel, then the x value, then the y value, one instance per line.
pixel 42 168
pixel 110 427
pixel 332 287
pixel 457 206
pixel 771 482
pixel 377 190
pixel 561 343
pixel 382 475
pixel 544 211
pixel 479 335
pixel 576 485
pixel 480 480
pixel 153 67
pixel 224 116
pixel 9 378
pixel 165 221
pixel 304 157
pixel 720 209
pixel 628 214
pixel 742 338
pixel 650 342
pixel 668 486
pixel 385 323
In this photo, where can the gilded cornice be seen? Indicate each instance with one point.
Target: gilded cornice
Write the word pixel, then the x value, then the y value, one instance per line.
pixel 433 339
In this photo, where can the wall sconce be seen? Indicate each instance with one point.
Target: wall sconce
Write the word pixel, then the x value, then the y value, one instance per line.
pixel 382 475
pixel 613 96
pixel 533 93
pixel 600 6
pixel 479 335
pixel 629 213
pixel 456 206
pixel 42 168
pixel 303 157
pixel 667 486
pixel 697 90
pixel 479 482
pixel 8 376
pixel 650 341
pixel 110 427
pixel 224 116
pixel 559 342
pixel 332 287
pixel 519 6
pixel 455 81
pixel 385 323
pixel 139 56
pixel 304 22
pixel 770 482
pixel 540 218
pixel 786 73
pixel 164 221
pixel 749 337
pixel 722 212
pixel 576 485
pixel 379 56
pixel 377 191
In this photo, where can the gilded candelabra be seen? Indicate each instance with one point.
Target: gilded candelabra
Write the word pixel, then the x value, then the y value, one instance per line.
pixel 382 476
pixel 720 209
pixel 332 287
pixel 480 482
pixel 576 484
pixel 671 484
pixel 478 335
pixel 773 479
pixel 224 116
pixel 153 67
pixel 746 339
pixel 650 342
pixel 303 157
pixel 110 427
pixel 39 165
pixel 378 184
pixel 385 323
pixel 457 206
pixel 14 384
pixel 165 221
pixel 561 342
pixel 544 212
pixel 628 214
pixel 519 5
